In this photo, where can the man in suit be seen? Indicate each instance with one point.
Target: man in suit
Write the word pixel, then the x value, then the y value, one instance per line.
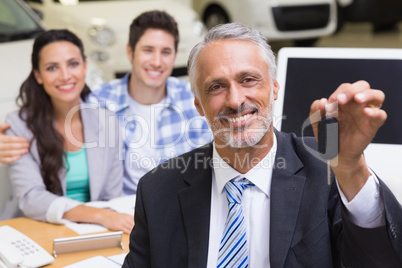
pixel 282 212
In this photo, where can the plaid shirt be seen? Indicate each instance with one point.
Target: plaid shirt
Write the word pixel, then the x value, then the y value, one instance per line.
pixel 179 129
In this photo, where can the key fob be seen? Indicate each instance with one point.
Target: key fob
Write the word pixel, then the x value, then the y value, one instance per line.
pixel 328 137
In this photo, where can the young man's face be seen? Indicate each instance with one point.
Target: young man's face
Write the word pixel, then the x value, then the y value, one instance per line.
pixel 153 59
pixel 236 93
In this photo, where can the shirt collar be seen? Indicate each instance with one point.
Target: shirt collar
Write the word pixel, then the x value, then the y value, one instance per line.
pixel 260 175
pixel 171 92
pixel 123 101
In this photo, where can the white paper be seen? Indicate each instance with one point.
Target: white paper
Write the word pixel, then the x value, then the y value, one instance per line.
pixel 123 204
pixel 97 261
pixel 118 258
pixel 85 228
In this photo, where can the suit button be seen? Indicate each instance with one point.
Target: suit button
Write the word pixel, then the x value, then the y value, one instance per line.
pixel 393 232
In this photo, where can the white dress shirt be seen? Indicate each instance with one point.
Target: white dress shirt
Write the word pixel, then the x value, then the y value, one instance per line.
pixel 364 210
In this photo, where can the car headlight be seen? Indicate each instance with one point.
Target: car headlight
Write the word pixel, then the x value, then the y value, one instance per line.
pixel 102 35
pixel 69 2
pixel 99 56
pixel 95 76
pixel 198 27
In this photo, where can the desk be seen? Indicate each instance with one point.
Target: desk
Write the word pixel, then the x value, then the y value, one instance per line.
pixel 44 233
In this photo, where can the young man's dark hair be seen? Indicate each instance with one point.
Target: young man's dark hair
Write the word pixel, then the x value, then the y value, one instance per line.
pixel 153 20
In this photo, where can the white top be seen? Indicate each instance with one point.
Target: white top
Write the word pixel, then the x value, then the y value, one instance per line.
pixel 256 202
pixel 144 156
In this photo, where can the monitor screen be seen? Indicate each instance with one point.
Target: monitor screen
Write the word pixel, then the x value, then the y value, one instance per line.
pixel 311 79
pixel 307 74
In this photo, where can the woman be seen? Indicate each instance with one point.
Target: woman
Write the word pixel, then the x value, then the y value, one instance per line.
pixel 68 163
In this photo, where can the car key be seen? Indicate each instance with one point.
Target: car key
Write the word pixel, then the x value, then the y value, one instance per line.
pixel 328 137
pixel 328 140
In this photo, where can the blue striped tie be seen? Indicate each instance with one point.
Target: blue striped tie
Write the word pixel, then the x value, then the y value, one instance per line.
pixel 233 250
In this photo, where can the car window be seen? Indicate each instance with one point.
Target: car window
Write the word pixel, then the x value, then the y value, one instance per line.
pixel 15 22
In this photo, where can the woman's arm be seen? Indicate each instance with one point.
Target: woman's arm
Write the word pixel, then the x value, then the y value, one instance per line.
pixel 105 217
pixel 25 176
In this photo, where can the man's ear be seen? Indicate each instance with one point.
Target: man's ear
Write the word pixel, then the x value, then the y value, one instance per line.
pixel 38 77
pixel 276 89
pixel 198 106
pixel 129 52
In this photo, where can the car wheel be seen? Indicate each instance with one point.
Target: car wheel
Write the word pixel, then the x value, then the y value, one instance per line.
pixel 305 42
pixel 384 27
pixel 215 15
pixel 340 18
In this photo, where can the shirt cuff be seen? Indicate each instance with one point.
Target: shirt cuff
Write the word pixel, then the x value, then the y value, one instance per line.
pixel 58 207
pixel 366 209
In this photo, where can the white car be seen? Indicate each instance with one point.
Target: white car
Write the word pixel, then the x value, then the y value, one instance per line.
pixel 103 27
pixel 18 28
pixel 19 25
pixel 301 20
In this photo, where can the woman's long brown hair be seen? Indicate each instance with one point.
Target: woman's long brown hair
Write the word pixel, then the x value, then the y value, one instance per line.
pixel 37 111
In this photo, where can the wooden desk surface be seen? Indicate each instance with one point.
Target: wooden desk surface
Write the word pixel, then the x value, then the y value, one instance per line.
pixel 44 233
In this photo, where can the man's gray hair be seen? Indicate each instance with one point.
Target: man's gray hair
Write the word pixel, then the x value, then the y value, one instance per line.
pixel 233 31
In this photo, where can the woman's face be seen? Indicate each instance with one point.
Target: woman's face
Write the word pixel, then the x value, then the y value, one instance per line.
pixel 62 72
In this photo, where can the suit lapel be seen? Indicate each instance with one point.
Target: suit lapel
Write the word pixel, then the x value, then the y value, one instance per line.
pixel 93 148
pixel 195 202
pixel 286 194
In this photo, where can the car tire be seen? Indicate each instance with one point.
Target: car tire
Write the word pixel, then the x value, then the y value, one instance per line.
pixel 385 27
pixel 340 18
pixel 305 42
pixel 215 15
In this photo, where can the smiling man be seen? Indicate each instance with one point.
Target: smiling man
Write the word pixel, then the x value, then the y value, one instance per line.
pixel 228 208
pixel 236 96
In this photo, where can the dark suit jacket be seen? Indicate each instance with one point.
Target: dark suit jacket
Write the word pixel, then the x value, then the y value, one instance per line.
pixel 308 224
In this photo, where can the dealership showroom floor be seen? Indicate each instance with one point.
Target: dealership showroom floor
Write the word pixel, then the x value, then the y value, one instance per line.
pixel 357 35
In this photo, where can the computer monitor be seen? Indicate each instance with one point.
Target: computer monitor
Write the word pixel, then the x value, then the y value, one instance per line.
pixel 307 74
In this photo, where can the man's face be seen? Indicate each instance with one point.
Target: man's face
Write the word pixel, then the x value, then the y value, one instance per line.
pixel 153 59
pixel 235 92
